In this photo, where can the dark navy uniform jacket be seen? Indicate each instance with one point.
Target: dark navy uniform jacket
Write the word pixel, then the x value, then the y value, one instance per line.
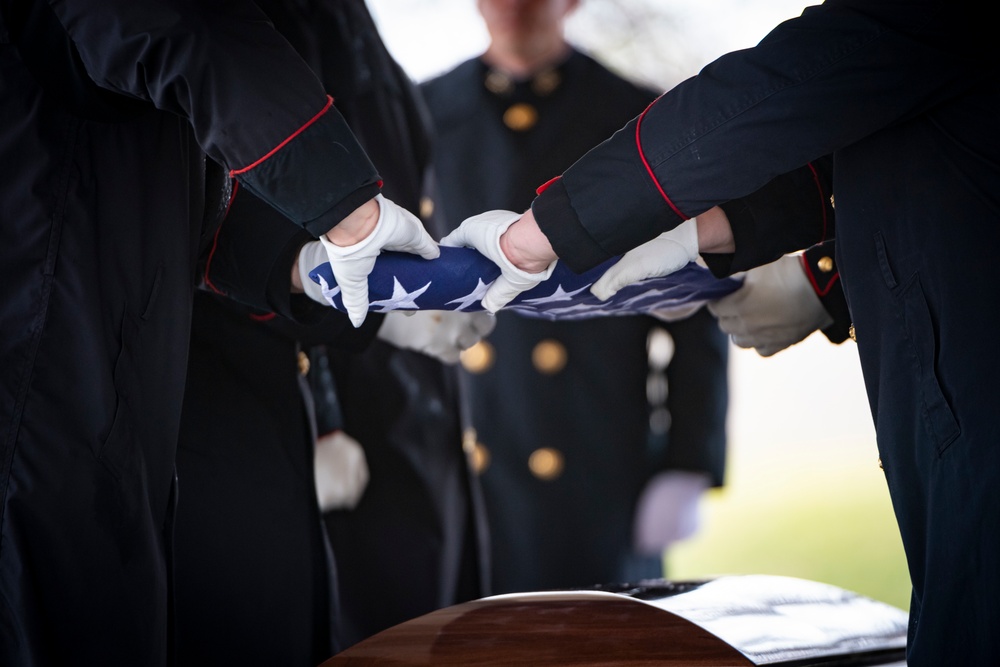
pixel 251 550
pixel 561 409
pixel 904 95
pixel 106 112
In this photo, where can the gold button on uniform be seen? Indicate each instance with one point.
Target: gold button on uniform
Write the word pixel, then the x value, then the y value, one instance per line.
pixel 478 358
pixel 880 465
pixel 303 363
pixel 498 83
pixel 545 82
pixel 520 117
pixel 480 458
pixel 426 207
pixel 825 264
pixel 478 455
pixel 549 356
pixel 546 463
pixel 852 333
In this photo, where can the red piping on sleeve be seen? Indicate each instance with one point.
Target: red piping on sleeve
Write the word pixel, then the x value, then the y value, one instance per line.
pixel 264 317
pixel 545 186
pixel 820 291
pixel 822 199
pixel 329 103
pixel 215 242
pixel 649 170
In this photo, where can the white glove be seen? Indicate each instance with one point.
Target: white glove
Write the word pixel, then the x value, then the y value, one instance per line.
pixel 483 232
pixel 776 307
pixel 667 511
pixel 441 334
pixel 396 229
pixel 665 254
pixel 341 471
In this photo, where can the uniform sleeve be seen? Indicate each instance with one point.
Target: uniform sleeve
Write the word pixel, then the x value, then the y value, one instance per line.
pixel 820 265
pixel 816 83
pixel 252 102
pixel 249 259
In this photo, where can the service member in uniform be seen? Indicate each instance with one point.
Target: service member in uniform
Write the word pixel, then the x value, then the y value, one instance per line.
pixel 107 111
pixel 572 421
pixel 255 581
pixel 903 95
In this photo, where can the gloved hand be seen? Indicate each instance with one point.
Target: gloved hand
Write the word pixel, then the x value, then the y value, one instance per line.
pixel 776 307
pixel 341 471
pixel 396 229
pixel 483 232
pixel 665 254
pixel 667 510
pixel 441 334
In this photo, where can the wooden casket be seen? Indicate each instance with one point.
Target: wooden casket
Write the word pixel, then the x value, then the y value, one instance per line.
pixel 732 621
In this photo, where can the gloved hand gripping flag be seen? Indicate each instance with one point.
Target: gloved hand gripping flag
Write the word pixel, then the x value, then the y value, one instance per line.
pixel 458 279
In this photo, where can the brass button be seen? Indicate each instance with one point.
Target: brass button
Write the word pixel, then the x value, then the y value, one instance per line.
pixel 498 83
pixel 880 464
pixel 545 82
pixel 303 363
pixel 852 333
pixel 478 358
pixel 479 458
pixel 426 207
pixel 549 356
pixel 520 117
pixel 832 203
pixel 546 463
pixel 825 264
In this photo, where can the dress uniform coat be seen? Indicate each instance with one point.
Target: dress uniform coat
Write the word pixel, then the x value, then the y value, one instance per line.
pixel 254 581
pixel 107 110
pixel 561 410
pixel 904 96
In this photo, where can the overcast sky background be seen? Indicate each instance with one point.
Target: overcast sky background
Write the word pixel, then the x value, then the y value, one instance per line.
pixel 656 40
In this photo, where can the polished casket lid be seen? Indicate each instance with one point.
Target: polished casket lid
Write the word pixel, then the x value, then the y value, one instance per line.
pixel 733 621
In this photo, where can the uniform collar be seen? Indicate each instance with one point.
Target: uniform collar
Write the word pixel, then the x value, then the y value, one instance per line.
pixel 541 84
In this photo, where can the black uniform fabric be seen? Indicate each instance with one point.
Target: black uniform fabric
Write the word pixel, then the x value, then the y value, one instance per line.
pixel 102 139
pixel 904 95
pixel 253 582
pixel 820 265
pixel 574 529
pixel 253 579
pixel 415 541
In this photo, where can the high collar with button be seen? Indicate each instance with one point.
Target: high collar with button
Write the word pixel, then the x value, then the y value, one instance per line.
pixel 521 96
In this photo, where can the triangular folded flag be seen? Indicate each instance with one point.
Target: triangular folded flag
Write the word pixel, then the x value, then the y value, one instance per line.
pixel 458 279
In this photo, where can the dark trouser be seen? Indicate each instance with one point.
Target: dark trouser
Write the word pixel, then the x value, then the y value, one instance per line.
pixel 926 322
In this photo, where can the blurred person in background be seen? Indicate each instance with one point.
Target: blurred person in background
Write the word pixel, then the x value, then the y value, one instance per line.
pixel 595 439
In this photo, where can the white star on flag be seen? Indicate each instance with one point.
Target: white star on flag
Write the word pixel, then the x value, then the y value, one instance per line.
pixel 400 299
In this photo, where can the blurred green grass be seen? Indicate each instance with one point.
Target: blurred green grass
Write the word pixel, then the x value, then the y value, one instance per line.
pixel 831 523
pixel 804 496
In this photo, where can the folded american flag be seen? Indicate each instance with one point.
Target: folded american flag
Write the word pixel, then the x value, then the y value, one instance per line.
pixel 458 279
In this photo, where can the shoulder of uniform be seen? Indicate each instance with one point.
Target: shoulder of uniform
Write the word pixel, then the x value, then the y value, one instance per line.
pixel 456 78
pixel 447 94
pixel 621 88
